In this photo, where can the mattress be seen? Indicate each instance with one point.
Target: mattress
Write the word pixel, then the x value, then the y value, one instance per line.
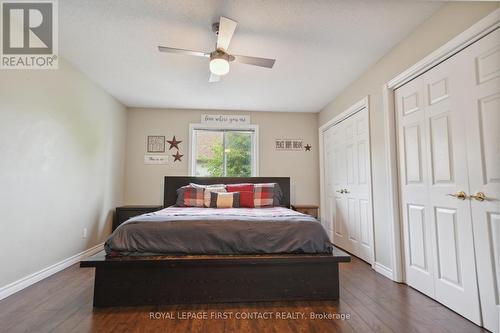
pixel 189 231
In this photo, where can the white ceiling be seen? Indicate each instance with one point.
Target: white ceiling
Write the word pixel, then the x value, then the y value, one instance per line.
pixel 320 47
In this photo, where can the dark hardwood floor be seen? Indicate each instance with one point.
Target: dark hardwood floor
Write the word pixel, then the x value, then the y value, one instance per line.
pixel 63 303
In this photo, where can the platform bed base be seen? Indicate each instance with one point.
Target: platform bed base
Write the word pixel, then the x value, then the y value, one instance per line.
pixel 131 281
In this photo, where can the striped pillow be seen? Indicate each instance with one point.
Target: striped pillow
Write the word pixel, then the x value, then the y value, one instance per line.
pixel 207 196
pixel 224 200
pixel 207 189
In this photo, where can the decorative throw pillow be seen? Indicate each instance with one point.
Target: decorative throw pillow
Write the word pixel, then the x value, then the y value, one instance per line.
pixel 210 188
pixel 246 194
pixel 224 200
pixel 263 195
pixel 189 196
pixel 180 196
pixel 208 191
pixel 278 195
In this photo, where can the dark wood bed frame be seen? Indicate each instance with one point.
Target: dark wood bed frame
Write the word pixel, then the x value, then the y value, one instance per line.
pixel 154 280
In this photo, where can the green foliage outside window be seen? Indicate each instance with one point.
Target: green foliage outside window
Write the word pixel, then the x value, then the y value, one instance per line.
pixel 238 156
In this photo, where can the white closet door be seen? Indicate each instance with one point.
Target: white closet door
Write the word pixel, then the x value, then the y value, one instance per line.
pixel 480 65
pixel 351 192
pixel 452 235
pixel 438 230
pixel 328 211
pixel 338 174
pixel 417 225
pixel 357 187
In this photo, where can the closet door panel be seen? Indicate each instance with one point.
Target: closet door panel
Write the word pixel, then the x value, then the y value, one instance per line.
pixel 351 185
pixel 328 211
pixel 410 115
pixel 489 117
pixel 417 239
pixel 481 76
pixel 455 280
pixel 448 247
pixel 441 149
pixel 353 222
pixel 358 188
pixel 433 164
pixel 412 141
pixel 338 174
pixel 365 221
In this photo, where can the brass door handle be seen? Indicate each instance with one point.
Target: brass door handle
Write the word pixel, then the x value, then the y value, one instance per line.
pixel 479 196
pixel 459 195
pixel 341 191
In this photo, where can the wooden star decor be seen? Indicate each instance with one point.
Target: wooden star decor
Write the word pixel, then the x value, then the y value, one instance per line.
pixel 177 157
pixel 308 147
pixel 174 143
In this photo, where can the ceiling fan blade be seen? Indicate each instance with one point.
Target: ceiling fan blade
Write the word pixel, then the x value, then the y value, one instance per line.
pixel 261 62
pixel 226 31
pixel 183 51
pixel 214 78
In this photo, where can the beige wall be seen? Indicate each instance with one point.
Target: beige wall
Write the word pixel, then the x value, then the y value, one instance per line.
pixel 61 167
pixel 446 23
pixel 144 183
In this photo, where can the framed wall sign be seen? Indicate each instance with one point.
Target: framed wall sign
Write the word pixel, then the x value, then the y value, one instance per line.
pixel 225 119
pixel 156 143
pixel 288 144
pixel 155 159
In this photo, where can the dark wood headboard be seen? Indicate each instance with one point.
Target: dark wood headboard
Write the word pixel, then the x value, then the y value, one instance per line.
pixel 171 184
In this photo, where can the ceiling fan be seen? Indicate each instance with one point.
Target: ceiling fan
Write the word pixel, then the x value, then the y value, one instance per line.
pixel 220 58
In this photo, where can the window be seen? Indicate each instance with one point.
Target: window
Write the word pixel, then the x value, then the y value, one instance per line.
pixel 222 152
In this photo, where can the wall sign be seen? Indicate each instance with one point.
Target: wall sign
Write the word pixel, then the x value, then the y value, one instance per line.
pixel 225 119
pixel 156 144
pixel 288 144
pixel 155 159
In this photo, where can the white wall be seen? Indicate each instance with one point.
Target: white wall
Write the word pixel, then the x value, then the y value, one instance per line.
pixel 446 23
pixel 144 183
pixel 61 167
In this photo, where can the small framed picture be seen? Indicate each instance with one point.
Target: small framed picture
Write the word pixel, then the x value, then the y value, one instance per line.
pixel 156 143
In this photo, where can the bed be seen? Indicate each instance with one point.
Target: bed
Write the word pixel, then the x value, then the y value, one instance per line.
pixel 185 255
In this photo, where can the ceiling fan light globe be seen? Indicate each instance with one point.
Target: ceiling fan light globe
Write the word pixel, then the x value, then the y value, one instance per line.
pixel 219 66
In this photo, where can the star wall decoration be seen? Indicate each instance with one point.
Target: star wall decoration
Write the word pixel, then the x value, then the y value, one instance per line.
pixel 308 147
pixel 174 143
pixel 177 157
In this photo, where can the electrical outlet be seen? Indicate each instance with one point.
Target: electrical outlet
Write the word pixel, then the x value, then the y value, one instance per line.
pixel 84 234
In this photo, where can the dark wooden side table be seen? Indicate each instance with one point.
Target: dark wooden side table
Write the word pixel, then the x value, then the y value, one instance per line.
pixel 124 213
pixel 307 209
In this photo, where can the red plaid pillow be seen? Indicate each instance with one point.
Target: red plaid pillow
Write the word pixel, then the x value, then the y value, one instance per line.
pixel 246 194
pixel 263 195
pixel 193 196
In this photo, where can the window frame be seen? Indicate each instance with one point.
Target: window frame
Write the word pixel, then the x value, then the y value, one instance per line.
pixel 255 143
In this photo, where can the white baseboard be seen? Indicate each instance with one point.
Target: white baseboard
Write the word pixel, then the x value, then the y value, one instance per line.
pixel 27 281
pixel 384 270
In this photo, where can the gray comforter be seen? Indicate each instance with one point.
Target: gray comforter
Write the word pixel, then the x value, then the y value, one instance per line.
pixel 177 230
